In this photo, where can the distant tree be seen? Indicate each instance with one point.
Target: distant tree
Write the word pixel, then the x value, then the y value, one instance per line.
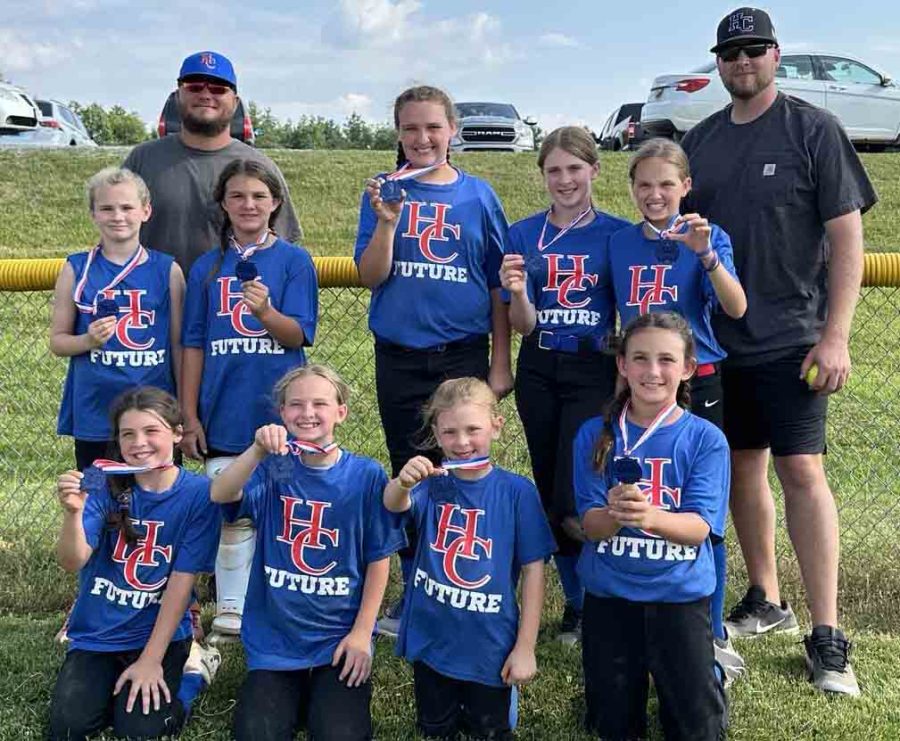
pixel 115 126
pixel 270 132
pixel 384 136
pixel 538 136
pixel 357 132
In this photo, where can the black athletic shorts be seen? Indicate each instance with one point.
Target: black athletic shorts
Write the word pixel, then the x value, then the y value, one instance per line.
pixel 770 406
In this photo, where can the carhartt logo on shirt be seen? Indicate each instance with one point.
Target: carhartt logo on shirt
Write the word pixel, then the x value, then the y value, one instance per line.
pixel 768 170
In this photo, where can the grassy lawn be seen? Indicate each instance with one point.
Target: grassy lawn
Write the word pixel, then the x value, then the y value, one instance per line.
pixel 44 215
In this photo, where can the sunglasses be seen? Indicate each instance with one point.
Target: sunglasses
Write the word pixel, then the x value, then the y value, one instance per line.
pixel 752 51
pixel 199 87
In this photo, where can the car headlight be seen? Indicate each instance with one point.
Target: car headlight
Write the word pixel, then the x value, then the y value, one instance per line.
pixel 454 140
pixel 524 132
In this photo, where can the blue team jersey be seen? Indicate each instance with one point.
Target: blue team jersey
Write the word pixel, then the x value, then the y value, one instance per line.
pixel 120 587
pixel 138 354
pixel 686 469
pixel 318 529
pixel 241 360
pixel 460 614
pixel 568 282
pixel 643 283
pixel 448 247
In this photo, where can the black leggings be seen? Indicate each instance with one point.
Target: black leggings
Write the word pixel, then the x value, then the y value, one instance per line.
pixel 83 702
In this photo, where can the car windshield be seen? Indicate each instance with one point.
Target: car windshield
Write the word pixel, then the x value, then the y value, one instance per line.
pixel 46 107
pixel 501 110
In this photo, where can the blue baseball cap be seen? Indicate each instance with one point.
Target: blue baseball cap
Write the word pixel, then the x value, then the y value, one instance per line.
pixel 208 64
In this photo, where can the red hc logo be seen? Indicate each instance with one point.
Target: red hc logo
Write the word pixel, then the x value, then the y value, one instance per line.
pixel 658 494
pixel 134 317
pixel 563 281
pixel 434 228
pixel 232 305
pixel 310 536
pixel 208 60
pixel 654 293
pixel 143 554
pixel 461 546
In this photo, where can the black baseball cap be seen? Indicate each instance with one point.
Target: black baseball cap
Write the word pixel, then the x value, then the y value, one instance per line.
pixel 744 26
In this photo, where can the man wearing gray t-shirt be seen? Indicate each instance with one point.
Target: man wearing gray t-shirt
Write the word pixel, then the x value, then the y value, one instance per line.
pixel 181 170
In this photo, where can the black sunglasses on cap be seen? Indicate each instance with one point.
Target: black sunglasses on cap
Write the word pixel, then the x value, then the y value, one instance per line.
pixel 752 51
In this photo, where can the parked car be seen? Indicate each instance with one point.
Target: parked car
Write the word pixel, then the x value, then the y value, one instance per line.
pixel 620 130
pixel 865 100
pixel 18 111
pixel 62 125
pixel 492 126
pixel 170 121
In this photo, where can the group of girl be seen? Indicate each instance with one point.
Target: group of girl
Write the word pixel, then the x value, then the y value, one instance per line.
pixel 631 486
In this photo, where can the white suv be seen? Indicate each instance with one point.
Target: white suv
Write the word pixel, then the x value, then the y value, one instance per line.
pixel 492 126
pixel 865 101
pixel 17 110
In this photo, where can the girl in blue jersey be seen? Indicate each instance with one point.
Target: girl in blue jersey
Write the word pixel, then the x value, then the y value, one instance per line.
pixel 556 273
pixel 320 568
pixel 651 484
pixel 250 308
pixel 684 264
pixel 137 541
pixel 430 251
pixel 116 314
pixel 479 528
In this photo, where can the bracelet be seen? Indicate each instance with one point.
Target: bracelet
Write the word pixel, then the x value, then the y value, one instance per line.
pixel 715 264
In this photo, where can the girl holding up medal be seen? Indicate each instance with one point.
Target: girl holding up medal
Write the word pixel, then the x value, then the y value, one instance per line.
pixel 130 629
pixel 429 246
pixel 325 542
pixel 560 299
pixel 250 308
pixel 461 627
pixel 651 484
pixel 670 262
pixel 116 314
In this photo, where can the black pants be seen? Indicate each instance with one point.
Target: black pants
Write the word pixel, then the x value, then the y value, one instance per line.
pixel 87 451
pixel 624 642
pixel 274 705
pixel 707 398
pixel 83 702
pixel 446 707
pixel 555 393
pixel 405 379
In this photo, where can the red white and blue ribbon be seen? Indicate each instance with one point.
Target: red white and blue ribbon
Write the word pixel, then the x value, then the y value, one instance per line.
pixel 664 232
pixel 117 468
pixel 77 294
pixel 406 173
pixel 245 251
pixel 653 427
pixel 465 464
pixel 562 232
pixel 298 447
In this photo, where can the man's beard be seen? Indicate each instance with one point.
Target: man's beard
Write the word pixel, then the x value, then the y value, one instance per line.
pixel 203 127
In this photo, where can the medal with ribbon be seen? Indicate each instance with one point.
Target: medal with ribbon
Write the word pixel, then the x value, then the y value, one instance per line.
pixel 282 467
pixel 466 464
pixel 627 468
pixel 666 249
pixel 562 232
pixel 392 191
pixel 246 270
pixel 94 305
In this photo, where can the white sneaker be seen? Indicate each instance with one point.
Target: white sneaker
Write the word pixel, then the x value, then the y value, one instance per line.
pixel 203 660
pixel 732 663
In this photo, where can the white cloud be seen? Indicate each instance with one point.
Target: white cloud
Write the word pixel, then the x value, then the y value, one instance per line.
pixel 22 55
pixel 362 23
pixel 336 108
pixel 554 39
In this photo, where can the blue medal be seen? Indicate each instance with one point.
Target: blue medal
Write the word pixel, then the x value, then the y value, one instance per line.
pixel 106 307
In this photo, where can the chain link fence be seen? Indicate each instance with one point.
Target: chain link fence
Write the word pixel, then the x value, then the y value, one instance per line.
pixel 863 443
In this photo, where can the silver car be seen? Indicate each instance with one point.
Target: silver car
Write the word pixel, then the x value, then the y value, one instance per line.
pixel 492 126
pixel 59 126
pixel 17 110
pixel 865 100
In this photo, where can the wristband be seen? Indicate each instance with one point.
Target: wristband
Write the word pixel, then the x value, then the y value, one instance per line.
pixel 714 265
pixel 706 253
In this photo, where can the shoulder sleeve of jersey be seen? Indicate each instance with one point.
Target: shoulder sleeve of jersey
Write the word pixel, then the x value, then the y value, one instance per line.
pixel 366 228
pixel 842 183
pixel 706 484
pixel 93 517
pixel 301 291
pixel 196 553
pixel 196 298
pixel 253 494
pixel 589 485
pixel 384 531
pixel 534 539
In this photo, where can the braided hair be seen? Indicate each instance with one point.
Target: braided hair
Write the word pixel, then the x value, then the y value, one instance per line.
pixel 613 409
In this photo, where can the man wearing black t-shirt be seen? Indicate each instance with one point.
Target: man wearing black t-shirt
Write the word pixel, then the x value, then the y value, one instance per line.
pixel 781 177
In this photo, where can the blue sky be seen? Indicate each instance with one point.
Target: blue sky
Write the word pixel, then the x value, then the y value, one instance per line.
pixel 565 62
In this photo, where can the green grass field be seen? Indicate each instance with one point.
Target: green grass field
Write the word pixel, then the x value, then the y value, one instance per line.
pixel 43 214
